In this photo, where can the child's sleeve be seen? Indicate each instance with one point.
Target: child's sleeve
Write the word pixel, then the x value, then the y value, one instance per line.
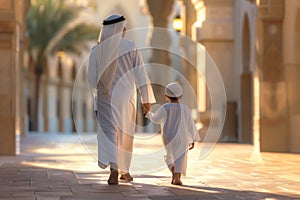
pixel 194 135
pixel 157 117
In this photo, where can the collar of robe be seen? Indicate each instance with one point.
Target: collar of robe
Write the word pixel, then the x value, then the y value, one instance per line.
pixel 113 21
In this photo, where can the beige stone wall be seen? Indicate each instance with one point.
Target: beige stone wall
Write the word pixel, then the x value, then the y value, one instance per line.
pixel 214 29
pixel 291 38
pixel 273 104
pixel 11 104
pixel 7 95
pixel 279 36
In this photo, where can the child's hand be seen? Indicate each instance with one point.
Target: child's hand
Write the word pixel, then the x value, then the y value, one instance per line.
pixel 191 145
pixel 146 107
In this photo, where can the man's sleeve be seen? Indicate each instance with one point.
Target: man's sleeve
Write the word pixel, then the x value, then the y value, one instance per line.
pixel 142 79
pixel 92 78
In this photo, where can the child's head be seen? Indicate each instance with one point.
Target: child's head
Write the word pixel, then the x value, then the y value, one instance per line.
pixel 173 92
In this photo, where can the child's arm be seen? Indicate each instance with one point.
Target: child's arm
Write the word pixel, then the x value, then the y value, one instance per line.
pixel 158 117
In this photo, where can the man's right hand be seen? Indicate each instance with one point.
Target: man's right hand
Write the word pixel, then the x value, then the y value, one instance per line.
pixel 146 107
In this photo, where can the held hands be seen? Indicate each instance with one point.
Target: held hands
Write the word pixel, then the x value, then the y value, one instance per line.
pixel 191 146
pixel 146 107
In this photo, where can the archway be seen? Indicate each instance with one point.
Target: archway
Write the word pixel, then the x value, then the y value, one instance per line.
pixel 245 135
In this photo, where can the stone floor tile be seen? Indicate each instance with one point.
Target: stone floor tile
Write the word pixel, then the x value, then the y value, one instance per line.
pixel 20 198
pixel 48 198
pixel 230 171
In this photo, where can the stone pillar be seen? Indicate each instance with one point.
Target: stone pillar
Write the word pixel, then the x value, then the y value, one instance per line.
pixel 188 49
pixel 64 87
pixel 273 95
pixel 189 17
pixel 60 94
pixel 291 37
pixel 214 29
pixel 11 35
pixel 160 12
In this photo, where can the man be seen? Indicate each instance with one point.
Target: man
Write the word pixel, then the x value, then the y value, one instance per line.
pixel 115 71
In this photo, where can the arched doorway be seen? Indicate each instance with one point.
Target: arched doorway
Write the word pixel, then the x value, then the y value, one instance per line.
pixel 245 135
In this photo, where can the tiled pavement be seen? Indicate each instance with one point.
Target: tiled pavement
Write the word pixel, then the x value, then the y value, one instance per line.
pixel 58 167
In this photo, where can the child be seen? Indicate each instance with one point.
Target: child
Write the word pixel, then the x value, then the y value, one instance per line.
pixel 178 130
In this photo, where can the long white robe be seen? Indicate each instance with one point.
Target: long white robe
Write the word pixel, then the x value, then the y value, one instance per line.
pixel 117 107
pixel 178 131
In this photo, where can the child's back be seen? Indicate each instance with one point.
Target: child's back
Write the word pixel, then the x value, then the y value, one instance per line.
pixel 178 124
pixel 178 130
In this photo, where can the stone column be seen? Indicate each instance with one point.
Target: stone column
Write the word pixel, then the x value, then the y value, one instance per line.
pixel 273 95
pixel 69 78
pixel 214 29
pixel 60 93
pixel 188 49
pixel 66 67
pixel 11 35
pixel 189 17
pixel 160 12
pixel 291 37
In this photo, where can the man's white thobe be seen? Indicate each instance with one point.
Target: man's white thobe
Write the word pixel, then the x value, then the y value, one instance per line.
pixel 116 108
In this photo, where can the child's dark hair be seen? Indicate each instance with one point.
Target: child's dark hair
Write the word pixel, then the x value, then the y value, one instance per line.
pixel 172 98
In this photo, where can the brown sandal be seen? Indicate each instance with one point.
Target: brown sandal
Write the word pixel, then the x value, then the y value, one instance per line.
pixel 126 177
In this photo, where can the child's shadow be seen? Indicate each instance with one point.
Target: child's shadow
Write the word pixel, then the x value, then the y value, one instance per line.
pixel 165 190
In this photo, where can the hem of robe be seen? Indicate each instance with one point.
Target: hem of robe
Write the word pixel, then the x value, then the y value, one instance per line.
pixel 123 172
pixel 102 165
pixel 178 171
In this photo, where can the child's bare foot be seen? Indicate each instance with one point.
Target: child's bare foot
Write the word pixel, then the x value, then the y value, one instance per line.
pixel 177 180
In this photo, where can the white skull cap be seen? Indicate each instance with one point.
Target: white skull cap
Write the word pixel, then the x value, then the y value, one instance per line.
pixel 174 90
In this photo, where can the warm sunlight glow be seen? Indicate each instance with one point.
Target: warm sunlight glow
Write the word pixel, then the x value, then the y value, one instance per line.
pixel 201 85
pixel 256 114
pixel 258 2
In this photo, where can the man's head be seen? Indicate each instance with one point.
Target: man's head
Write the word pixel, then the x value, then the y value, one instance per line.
pixel 113 19
pixel 113 24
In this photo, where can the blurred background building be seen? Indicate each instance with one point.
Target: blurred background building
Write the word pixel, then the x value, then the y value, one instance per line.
pixel 254 43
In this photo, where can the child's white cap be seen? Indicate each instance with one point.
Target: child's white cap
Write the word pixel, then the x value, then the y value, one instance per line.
pixel 173 90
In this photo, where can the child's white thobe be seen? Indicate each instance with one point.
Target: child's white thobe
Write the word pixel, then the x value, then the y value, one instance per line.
pixel 178 131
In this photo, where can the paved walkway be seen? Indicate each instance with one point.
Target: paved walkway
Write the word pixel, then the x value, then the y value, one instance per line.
pixel 59 167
